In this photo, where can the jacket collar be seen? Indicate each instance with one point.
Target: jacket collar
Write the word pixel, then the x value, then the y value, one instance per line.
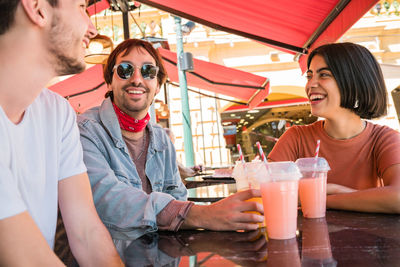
pixel 110 122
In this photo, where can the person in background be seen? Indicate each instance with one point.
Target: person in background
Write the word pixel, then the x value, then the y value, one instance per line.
pixel 184 172
pixel 132 162
pixel 346 87
pixel 41 156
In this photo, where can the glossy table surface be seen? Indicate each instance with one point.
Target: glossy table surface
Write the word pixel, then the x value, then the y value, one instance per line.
pixel 206 188
pixel 340 239
pixel 206 180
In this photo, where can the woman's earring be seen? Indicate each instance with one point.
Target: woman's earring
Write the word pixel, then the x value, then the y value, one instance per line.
pixel 356 104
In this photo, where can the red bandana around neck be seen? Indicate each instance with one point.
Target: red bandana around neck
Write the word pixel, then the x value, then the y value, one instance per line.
pixel 128 123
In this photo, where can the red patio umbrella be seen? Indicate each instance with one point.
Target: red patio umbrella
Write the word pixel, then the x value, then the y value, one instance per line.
pixel 241 85
pixel 83 90
pixel 97 6
pixel 292 26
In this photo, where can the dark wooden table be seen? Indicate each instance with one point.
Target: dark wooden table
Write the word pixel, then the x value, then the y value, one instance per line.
pixel 205 180
pixel 342 239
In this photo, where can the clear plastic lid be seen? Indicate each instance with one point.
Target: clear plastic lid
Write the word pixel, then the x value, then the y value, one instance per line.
pixel 246 175
pixel 255 170
pixel 240 176
pixel 313 164
pixel 281 171
pixel 238 170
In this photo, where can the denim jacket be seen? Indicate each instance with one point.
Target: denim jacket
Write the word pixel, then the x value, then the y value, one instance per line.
pixel 117 189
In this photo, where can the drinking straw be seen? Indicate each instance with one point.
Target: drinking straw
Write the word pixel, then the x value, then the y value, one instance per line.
pixel 261 152
pixel 241 157
pixel 316 156
pixel 317 148
pixel 263 156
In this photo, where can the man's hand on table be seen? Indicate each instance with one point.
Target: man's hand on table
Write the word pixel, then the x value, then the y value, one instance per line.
pixel 197 168
pixel 227 214
pixel 189 171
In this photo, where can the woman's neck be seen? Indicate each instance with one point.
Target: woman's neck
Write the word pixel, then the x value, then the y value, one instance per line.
pixel 344 128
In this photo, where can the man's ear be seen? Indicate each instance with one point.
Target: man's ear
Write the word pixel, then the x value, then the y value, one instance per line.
pixel 157 90
pixel 36 11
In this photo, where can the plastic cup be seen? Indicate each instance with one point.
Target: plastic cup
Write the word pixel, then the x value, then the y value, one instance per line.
pixel 316 246
pixel 312 186
pixel 245 175
pixel 279 191
pixel 239 174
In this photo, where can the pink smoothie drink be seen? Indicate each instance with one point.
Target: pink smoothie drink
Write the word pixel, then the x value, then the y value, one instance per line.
pixel 312 187
pixel 312 191
pixel 280 208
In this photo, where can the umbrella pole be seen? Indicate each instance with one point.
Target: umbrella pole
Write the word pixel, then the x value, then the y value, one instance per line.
pixel 187 130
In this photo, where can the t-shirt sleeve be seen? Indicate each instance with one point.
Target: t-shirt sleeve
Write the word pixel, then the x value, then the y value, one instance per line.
pixel 11 202
pixel 71 158
pixel 286 149
pixel 387 150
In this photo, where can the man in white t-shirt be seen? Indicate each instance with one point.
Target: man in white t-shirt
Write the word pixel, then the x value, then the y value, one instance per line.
pixel 40 152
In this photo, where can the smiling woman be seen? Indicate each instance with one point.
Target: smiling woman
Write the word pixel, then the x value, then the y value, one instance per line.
pixel 345 85
pixel 357 75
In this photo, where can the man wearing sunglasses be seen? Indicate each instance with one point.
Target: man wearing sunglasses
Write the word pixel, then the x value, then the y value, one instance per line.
pixel 41 164
pixel 132 162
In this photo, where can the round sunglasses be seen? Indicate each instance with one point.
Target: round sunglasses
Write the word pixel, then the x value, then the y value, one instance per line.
pixel 125 70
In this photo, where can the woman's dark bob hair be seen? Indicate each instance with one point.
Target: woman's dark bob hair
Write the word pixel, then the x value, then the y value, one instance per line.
pixel 125 48
pixel 358 76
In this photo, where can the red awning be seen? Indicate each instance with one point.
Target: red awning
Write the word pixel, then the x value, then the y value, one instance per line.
pixel 242 85
pixel 83 90
pixel 97 6
pixel 270 104
pixel 291 26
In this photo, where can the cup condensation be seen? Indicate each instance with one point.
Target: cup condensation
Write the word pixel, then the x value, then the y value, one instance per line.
pixel 312 186
pixel 279 190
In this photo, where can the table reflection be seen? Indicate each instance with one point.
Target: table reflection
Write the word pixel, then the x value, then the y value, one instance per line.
pixel 340 239
pixel 316 246
pixel 283 253
pixel 144 252
pixel 167 249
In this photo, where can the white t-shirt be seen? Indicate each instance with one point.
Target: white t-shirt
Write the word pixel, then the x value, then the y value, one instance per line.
pixel 34 155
